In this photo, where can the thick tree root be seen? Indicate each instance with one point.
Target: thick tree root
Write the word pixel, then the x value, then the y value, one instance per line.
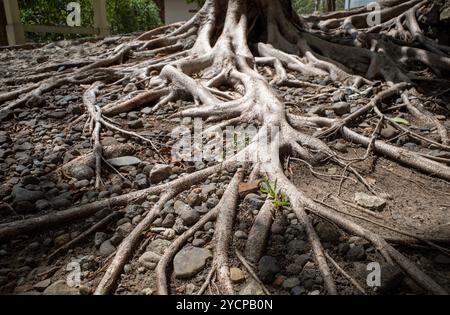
pixel 213 60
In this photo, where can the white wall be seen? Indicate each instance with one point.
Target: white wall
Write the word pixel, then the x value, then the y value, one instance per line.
pixel 178 10
pixel 350 4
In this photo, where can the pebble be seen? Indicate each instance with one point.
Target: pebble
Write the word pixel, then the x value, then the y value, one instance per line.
pixel 107 248
pixel 149 260
pixel 290 283
pixel 236 275
pixel 190 261
pixel 82 171
pixel 370 202
pixel 268 268
pixel 159 173
pixel 356 253
pixel 341 108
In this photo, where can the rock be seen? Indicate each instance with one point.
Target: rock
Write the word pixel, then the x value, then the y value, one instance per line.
pixel 298 291
pixel 341 147
pixel 445 15
pixel 240 235
pixel 290 283
pixel 189 216
pixel 141 181
pixel 251 288
pixel 327 232
pixel 341 108
pixel 254 201
pixel 133 211
pixel 116 239
pixel 211 203
pixel 149 260
pixel 22 194
pixel 136 124
pixel 356 253
pixel 61 203
pixel 279 225
pixel 61 288
pixel 84 290
pixel 189 261
pixel 193 199
pixel 268 268
pixel 42 285
pixel 248 188
pixel 315 292
pixel 42 205
pixel 125 161
pixel 159 173
pixel 82 184
pixel 82 171
pixel 62 240
pixel 198 242
pixel 125 229
pixel 24 207
pixel 297 247
pixel 168 221
pixel 236 275
pixel 107 248
pixel 338 96
pixel 30 180
pixel 442 259
pixel 158 246
pixel 373 203
pixel 130 87
pixel 388 132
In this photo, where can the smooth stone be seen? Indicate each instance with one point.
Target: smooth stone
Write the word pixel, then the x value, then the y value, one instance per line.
pixel 370 202
pixel 125 161
pixel 190 261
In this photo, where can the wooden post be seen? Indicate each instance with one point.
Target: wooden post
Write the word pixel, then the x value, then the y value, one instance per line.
pixel 100 18
pixel 3 35
pixel 14 27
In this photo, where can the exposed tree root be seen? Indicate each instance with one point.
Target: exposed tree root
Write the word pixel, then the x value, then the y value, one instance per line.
pixel 223 49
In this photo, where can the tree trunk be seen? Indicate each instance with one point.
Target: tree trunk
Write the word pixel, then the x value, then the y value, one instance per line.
pixel 3 23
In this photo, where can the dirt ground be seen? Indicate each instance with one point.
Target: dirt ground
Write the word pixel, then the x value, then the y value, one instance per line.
pixel 45 134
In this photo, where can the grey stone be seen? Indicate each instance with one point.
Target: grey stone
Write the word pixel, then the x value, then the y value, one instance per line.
pixel 341 108
pixel 298 291
pixel 240 235
pixel 136 124
pixel 388 132
pixel 125 229
pixel 61 288
pixel 168 221
pixel 189 216
pixel 82 171
pixel 268 268
pixel 290 283
pixel 22 194
pixel 442 259
pixel 149 260
pixel 42 204
pixel 297 247
pixel 159 173
pixel 445 15
pixel 125 161
pixel 189 261
pixel 42 285
pixel 356 253
pixel 193 199
pixel 158 246
pixel 254 201
pixel 327 232
pixel 251 288
pixel 370 202
pixel 107 248
pixel 198 242
pixel 99 238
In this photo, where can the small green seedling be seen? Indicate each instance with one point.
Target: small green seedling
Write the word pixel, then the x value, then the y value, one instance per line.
pixel 279 200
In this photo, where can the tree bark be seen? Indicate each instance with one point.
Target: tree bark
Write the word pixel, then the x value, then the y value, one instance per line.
pixel 3 35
